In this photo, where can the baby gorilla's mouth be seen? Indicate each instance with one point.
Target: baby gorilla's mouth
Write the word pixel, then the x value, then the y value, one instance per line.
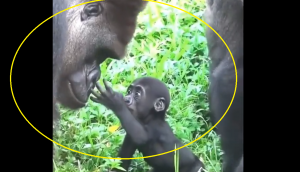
pixel 74 95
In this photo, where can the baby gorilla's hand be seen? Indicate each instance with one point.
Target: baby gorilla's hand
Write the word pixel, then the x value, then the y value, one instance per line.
pixel 108 98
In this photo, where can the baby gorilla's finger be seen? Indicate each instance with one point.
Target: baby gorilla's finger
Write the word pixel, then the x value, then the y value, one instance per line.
pixel 108 88
pixel 97 95
pixel 100 88
pixel 120 96
pixel 94 99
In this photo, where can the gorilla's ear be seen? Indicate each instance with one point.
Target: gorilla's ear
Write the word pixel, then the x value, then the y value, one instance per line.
pixel 159 104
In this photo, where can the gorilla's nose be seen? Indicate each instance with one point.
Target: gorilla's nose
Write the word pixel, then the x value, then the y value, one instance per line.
pixel 128 100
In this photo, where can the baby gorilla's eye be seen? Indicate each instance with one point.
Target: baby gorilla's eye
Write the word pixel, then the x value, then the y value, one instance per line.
pixel 137 95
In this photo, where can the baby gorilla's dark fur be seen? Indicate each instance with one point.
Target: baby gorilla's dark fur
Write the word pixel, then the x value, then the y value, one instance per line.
pixel 142 114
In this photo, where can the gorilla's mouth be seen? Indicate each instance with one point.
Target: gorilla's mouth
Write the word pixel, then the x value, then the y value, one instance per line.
pixel 74 95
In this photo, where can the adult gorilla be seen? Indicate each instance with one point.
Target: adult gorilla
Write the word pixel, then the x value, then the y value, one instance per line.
pixel 83 37
pixel 226 17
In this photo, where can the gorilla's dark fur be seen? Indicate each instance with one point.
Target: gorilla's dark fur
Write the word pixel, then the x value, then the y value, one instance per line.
pixel 142 113
pixel 83 37
pixel 226 18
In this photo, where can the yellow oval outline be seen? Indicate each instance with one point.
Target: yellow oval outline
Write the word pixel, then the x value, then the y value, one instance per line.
pixel 124 158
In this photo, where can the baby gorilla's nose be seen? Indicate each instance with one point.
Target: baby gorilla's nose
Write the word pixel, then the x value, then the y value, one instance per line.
pixel 128 100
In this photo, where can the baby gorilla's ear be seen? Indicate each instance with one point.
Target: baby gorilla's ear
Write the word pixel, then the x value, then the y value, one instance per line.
pixel 159 104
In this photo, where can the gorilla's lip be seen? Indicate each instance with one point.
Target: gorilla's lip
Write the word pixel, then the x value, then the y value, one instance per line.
pixel 74 95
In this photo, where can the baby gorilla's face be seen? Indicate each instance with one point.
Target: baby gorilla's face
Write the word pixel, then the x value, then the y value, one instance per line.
pixel 134 99
pixel 137 100
pixel 147 96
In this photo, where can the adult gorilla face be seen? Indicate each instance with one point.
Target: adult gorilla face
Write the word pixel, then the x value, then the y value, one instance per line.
pixel 95 32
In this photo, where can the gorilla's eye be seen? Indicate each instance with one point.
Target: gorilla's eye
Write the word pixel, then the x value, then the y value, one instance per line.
pixel 137 95
pixel 128 92
pixel 93 9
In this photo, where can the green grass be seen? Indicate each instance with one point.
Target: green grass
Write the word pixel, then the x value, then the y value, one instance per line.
pixel 171 46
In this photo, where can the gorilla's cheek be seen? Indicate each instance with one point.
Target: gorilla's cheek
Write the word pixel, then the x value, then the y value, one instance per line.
pixel 75 89
pixel 133 110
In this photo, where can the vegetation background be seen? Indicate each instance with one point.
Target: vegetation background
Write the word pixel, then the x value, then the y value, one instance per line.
pixel 170 45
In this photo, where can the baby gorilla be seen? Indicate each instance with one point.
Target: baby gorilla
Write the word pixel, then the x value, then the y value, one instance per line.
pixel 142 114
